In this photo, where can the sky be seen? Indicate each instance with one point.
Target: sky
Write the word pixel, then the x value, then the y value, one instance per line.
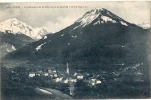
pixel 55 16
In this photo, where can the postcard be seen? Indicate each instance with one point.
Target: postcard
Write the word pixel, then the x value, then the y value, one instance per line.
pixel 75 50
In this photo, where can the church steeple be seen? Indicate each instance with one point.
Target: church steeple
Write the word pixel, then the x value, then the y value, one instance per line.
pixel 67 69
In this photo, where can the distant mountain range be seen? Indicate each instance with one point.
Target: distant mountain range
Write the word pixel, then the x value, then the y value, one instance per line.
pixel 16 26
pixel 15 34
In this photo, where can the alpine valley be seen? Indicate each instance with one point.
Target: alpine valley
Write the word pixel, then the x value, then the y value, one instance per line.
pixel 99 43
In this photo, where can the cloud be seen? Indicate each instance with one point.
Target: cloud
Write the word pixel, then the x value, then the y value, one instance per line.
pixel 60 24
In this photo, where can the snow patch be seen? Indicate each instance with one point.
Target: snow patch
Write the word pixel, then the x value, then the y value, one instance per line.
pixel 39 47
pixel 122 64
pixel 139 73
pixel 13 48
pixel 75 27
pixel 62 35
pixel 108 19
pixel 44 91
pixel 123 23
pixel 109 14
pixel 88 18
pixel 8 50
pixel 74 36
pixel 102 22
pixel 98 22
pixel 134 67
pixel 45 37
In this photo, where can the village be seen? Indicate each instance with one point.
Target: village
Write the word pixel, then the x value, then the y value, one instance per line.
pixel 52 77
pixel 66 77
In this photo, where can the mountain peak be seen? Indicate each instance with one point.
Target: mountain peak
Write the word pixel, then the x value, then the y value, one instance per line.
pixel 88 17
pixel 101 14
pixel 13 21
pixel 99 10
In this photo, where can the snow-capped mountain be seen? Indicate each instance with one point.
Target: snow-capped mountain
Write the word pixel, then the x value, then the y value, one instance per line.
pixel 102 16
pixel 18 27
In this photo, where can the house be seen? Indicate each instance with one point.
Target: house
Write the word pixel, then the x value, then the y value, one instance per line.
pixel 73 80
pixel 70 80
pixel 94 82
pixel 55 75
pixel 50 71
pixel 80 76
pixel 45 74
pixel 58 79
pixel 66 80
pixel 31 74
pixel 54 71
pixel 98 82
pixel 51 75
pixel 38 74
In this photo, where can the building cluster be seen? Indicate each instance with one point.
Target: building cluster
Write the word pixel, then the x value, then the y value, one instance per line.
pixel 66 77
pixel 50 72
